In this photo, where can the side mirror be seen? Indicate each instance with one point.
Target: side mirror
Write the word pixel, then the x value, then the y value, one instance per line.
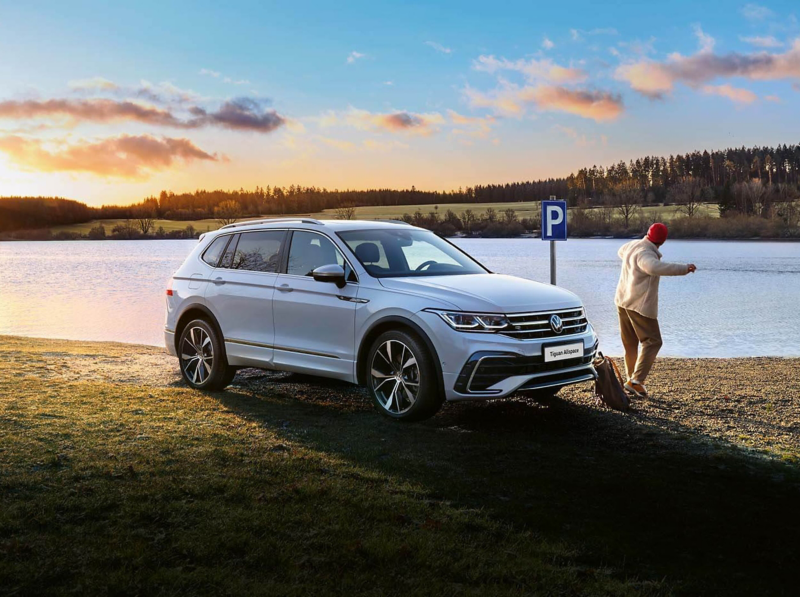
pixel 330 273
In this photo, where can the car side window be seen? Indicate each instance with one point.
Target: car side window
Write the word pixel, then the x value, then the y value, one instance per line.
pixel 214 251
pixel 258 251
pixel 309 251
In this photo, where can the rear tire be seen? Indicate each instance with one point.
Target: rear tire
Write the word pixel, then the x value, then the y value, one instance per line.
pixel 402 378
pixel 201 353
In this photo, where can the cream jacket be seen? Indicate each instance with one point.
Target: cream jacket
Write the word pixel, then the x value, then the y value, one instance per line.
pixel 641 269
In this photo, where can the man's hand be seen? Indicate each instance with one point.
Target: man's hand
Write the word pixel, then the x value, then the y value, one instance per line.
pixel 692 268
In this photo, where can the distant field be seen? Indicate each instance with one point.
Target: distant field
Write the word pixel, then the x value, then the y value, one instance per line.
pixel 523 209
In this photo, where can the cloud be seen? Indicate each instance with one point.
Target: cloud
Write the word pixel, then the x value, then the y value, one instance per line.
pixel 393 122
pixel 773 98
pixel 472 126
pixel 706 42
pixel 596 105
pixel 240 114
pixel 216 74
pixel 511 100
pixel 656 79
pixel 354 56
pixel 126 156
pixel 765 41
pixel 93 84
pixel 547 44
pixel 735 94
pixel 439 47
pixel 161 93
pixel 577 34
pixel 237 114
pixel 756 12
pixel 533 70
pixel 92 110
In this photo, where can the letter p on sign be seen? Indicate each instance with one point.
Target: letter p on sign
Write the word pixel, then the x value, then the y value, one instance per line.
pixel 554 220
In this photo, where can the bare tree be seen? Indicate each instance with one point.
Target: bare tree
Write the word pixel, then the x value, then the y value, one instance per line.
pixel 689 194
pixel 510 216
pixel 626 198
pixel 145 218
pixel 228 212
pixel 346 212
pixel 491 214
pixel 468 218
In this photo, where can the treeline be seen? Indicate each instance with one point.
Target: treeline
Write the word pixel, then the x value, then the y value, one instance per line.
pixel 18 213
pixel 654 175
pixel 724 177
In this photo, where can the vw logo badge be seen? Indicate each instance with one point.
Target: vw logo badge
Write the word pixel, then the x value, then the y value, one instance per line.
pixel 556 324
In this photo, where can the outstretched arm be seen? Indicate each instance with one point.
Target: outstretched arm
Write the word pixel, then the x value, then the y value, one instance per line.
pixel 650 264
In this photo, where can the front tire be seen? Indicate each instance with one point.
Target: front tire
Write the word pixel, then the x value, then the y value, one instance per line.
pixel 201 352
pixel 402 377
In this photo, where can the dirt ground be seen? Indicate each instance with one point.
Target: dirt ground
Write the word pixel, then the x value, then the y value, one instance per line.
pixel 751 403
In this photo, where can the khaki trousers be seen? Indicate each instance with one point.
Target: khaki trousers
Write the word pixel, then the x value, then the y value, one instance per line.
pixel 637 329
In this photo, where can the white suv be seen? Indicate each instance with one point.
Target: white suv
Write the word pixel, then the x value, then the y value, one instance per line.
pixel 384 304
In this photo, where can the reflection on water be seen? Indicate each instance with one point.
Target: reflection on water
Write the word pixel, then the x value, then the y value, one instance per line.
pixel 743 301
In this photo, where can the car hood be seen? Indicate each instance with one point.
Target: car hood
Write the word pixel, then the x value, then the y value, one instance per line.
pixel 491 293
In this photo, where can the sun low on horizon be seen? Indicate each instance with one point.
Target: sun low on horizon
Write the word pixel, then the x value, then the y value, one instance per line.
pixel 113 103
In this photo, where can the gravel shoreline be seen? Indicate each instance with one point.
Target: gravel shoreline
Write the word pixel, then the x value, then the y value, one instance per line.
pixel 697 404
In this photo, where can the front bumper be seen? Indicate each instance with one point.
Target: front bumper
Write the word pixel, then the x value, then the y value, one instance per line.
pixel 483 366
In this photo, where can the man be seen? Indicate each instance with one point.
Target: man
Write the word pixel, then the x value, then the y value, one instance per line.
pixel 637 303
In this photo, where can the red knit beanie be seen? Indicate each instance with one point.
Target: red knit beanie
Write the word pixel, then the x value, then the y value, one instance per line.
pixel 657 233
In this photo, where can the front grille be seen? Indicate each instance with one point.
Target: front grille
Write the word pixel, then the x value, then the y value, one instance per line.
pixel 494 368
pixel 530 326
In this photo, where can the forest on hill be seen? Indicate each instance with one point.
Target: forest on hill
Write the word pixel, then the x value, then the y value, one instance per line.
pixel 758 181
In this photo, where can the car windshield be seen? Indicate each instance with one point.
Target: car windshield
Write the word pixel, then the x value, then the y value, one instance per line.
pixel 401 253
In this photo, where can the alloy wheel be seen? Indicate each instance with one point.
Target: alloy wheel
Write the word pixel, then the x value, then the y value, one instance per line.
pixel 395 376
pixel 197 355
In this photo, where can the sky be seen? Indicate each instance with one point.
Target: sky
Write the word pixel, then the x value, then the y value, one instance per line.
pixel 110 102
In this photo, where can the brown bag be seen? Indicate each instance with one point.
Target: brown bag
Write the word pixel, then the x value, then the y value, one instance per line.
pixel 608 385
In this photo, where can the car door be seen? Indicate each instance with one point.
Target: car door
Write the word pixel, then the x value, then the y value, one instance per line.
pixel 240 293
pixel 314 321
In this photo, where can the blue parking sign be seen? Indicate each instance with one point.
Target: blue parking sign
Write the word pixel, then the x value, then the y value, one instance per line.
pixel 554 220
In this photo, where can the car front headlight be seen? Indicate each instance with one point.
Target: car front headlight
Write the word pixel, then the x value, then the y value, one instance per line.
pixel 472 322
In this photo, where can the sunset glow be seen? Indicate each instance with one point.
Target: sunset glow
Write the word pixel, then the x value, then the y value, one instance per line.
pixel 368 95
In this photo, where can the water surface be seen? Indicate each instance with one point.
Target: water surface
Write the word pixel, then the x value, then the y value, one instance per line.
pixel 743 301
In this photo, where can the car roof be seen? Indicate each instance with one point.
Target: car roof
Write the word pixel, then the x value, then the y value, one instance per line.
pixel 312 224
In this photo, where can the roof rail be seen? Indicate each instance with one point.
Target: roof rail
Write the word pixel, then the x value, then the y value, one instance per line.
pixel 272 221
pixel 398 222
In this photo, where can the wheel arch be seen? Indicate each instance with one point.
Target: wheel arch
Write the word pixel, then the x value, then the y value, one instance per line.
pixel 196 311
pixel 394 322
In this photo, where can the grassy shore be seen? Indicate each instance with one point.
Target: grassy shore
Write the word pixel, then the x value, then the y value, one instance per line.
pixel 116 479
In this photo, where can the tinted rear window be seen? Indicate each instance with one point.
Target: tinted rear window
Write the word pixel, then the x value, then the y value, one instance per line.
pixel 214 251
pixel 259 251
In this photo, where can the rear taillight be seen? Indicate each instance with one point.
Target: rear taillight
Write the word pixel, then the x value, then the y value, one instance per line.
pixel 169 287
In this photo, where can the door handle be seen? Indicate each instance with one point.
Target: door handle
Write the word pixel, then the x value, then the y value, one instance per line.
pixel 285 288
pixel 219 281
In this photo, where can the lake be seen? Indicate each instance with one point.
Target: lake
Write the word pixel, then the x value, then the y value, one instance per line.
pixel 743 301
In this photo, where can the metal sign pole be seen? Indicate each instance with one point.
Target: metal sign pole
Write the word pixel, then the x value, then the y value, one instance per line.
pixel 553 262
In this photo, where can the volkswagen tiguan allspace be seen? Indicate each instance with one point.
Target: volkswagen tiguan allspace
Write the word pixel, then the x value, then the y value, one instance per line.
pixel 384 304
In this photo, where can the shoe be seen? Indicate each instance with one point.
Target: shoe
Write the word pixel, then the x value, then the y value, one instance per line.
pixel 637 389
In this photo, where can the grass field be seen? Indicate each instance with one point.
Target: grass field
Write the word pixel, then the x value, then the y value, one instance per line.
pixel 116 479
pixel 523 210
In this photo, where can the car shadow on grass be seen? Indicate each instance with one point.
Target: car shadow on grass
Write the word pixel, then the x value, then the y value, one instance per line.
pixel 703 515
